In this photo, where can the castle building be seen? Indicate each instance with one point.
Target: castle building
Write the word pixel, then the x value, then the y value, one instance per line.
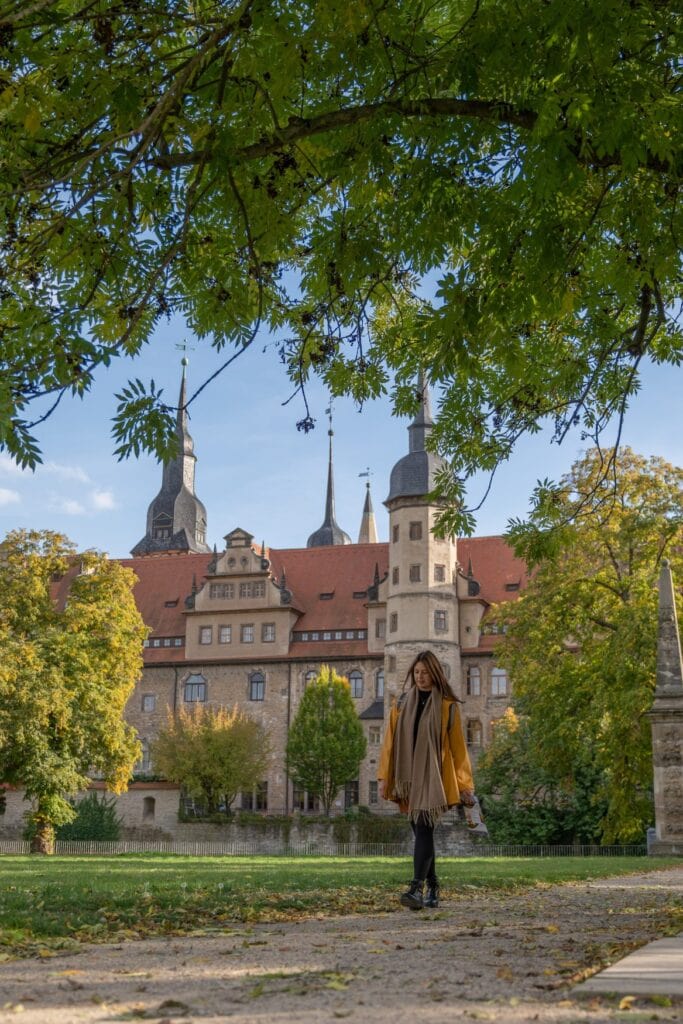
pixel 251 625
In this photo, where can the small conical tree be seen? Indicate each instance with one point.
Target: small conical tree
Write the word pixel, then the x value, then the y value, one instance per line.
pixel 326 742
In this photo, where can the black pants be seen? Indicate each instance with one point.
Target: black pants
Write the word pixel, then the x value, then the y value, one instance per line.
pixel 424 864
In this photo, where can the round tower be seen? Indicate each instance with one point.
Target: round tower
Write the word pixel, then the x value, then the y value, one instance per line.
pixel 422 607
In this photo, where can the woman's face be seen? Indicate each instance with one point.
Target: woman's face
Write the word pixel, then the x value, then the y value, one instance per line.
pixel 423 679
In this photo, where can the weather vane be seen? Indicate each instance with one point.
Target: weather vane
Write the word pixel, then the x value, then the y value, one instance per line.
pixel 185 348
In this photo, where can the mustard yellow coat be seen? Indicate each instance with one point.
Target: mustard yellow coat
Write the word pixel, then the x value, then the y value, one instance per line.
pixel 456 769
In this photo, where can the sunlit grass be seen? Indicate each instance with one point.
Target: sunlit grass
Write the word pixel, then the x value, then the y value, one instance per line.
pixel 51 903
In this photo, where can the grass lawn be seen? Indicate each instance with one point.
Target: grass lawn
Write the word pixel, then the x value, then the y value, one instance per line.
pixel 56 902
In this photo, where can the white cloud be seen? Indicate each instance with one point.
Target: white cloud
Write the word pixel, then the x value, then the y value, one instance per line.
pixel 8 465
pixel 67 472
pixel 103 501
pixel 8 497
pixel 68 506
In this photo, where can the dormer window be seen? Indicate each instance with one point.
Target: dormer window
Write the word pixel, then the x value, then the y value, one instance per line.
pixel 327 596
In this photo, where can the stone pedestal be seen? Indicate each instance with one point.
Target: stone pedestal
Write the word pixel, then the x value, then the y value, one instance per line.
pixel 666 717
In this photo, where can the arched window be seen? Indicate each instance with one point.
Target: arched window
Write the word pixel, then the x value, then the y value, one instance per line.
pixel 474 733
pixel 195 689
pixel 310 676
pixel 473 685
pixel 379 685
pixel 257 686
pixel 499 682
pixel 148 808
pixel 356 683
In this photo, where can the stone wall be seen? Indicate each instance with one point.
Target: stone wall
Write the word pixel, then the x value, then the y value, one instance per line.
pixel 265 835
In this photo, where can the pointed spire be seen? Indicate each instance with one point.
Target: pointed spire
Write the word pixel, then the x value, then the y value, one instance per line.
pixel 176 518
pixel 669 662
pixel 422 424
pixel 470 570
pixel 414 474
pixel 330 533
pixel 368 527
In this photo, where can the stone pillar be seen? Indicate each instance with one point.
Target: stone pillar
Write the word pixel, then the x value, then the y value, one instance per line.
pixel 667 725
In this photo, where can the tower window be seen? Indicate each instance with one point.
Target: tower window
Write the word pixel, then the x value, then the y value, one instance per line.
pixel 391 663
pixel 415 531
pixel 394 575
pixel 393 622
pixel 440 620
pixel 415 573
pixel 439 573
pixel 394 533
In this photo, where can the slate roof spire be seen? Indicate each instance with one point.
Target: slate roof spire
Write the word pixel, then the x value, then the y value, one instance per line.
pixel 176 518
pixel 413 475
pixel 330 532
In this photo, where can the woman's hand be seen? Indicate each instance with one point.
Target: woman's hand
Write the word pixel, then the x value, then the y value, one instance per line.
pixel 467 797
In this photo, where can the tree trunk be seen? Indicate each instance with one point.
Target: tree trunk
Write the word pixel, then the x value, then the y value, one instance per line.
pixel 44 839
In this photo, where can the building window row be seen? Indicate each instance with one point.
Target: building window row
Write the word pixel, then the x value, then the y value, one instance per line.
pixel 248 589
pixel 331 634
pixel 356 682
pixel 164 641
pixel 247 633
pixel 473 682
pixel 195 689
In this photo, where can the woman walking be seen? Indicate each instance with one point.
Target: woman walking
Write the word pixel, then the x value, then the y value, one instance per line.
pixel 425 767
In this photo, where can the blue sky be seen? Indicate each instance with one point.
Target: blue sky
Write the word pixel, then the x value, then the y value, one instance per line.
pixel 254 469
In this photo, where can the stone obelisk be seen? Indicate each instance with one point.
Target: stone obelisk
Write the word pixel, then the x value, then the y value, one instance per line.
pixel 667 725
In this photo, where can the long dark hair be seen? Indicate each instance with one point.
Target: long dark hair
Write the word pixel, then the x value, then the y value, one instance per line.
pixel 435 669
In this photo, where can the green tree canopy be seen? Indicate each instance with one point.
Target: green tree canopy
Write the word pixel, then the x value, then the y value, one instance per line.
pixel 582 639
pixel 213 753
pixel 326 741
pixel 67 668
pixel 526 801
pixel 306 166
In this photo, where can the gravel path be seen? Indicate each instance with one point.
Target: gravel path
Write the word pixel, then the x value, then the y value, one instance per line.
pixel 490 957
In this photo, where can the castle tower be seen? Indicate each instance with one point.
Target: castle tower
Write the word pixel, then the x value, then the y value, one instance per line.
pixel 666 717
pixel 176 519
pixel 422 608
pixel 368 527
pixel 330 532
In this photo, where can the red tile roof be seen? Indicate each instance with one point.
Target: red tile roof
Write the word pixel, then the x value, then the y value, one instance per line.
pixel 341 570
pixel 493 565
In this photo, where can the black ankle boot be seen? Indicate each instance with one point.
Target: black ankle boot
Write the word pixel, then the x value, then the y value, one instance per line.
pixel 432 895
pixel 413 897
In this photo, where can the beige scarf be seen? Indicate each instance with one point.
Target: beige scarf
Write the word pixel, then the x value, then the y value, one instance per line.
pixel 417 772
